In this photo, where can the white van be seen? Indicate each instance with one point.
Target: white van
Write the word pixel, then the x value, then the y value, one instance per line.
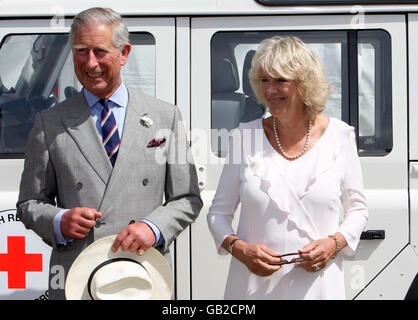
pixel 196 53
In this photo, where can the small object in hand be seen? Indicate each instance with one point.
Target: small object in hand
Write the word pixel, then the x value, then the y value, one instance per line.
pixel 296 259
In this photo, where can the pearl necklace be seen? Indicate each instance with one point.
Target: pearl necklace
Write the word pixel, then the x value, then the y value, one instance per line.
pixel 301 152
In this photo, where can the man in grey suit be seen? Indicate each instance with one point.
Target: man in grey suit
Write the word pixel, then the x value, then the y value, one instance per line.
pixel 75 190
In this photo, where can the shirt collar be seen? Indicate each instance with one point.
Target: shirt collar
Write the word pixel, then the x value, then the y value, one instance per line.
pixel 119 97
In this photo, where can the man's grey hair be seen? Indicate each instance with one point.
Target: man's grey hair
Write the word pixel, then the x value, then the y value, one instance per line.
pixel 105 16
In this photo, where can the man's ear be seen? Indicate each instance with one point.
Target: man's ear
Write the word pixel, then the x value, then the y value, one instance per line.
pixel 125 53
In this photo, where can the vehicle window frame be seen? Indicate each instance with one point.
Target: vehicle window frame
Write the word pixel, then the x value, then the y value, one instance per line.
pixel 47 90
pixel 349 82
pixel 36 95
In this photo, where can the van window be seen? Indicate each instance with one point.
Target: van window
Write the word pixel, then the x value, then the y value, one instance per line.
pixel 37 71
pixel 363 98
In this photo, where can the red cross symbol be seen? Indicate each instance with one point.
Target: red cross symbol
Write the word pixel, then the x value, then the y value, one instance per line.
pixel 16 262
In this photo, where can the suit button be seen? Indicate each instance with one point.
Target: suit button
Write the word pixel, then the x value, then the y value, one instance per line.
pixel 79 185
pixel 145 182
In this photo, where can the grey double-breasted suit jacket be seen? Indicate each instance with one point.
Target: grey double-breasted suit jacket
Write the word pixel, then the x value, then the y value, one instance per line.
pixel 66 166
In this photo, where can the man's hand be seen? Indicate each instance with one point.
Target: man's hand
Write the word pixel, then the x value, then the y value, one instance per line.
pixel 77 222
pixel 134 237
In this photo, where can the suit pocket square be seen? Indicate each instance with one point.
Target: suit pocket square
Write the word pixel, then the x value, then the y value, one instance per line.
pixel 156 143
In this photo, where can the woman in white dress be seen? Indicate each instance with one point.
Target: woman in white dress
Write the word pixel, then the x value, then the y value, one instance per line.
pixel 291 173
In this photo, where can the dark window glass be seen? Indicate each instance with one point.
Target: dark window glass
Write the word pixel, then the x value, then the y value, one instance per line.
pixel 37 71
pixel 361 98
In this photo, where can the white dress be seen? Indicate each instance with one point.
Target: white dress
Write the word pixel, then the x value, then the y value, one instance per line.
pixel 288 204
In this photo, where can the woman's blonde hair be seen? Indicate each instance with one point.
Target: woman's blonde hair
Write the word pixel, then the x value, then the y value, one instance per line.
pixel 291 59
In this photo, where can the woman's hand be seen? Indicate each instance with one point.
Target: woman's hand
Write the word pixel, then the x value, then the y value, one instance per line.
pixel 317 253
pixel 258 258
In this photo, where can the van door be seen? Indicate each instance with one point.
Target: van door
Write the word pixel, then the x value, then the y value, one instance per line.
pixel 366 65
pixel 413 129
pixel 36 72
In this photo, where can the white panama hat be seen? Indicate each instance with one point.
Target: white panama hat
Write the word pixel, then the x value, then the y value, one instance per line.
pixel 98 273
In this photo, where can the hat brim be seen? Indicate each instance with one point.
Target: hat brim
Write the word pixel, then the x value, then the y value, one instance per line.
pixel 100 251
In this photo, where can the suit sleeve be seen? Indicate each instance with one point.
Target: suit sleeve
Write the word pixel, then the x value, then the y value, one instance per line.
pixel 182 195
pixel 36 203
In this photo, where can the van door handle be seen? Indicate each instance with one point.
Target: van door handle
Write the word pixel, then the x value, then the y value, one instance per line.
pixel 373 235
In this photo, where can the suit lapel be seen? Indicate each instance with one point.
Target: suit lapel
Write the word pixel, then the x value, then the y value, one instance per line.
pixel 80 126
pixel 131 152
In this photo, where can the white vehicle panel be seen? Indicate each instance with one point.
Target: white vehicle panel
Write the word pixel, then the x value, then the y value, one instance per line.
pixel 387 194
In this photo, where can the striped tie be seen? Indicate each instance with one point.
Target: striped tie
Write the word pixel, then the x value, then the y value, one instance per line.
pixel 111 140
